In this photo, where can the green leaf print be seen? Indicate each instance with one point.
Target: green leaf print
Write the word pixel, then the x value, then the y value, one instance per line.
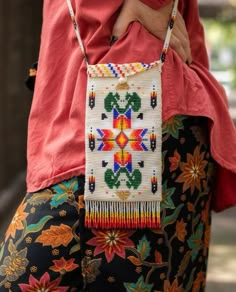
pixel 173 125
pixel 2 251
pixel 195 241
pixel 172 218
pixel 75 248
pixel 196 220
pixel 59 199
pixel 63 191
pixel 166 197
pixel 11 247
pixel 40 198
pixel 140 286
pixel 144 248
pixel 38 226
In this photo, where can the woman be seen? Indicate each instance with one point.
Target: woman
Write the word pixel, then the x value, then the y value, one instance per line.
pixel 47 245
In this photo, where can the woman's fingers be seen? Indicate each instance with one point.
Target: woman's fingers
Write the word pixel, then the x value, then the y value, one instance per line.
pixel 179 40
pixel 180 34
pixel 176 45
pixel 126 16
pixel 156 22
pixel 181 45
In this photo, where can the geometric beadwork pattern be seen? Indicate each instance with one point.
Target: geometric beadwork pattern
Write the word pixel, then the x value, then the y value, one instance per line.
pixel 123 139
pixel 119 70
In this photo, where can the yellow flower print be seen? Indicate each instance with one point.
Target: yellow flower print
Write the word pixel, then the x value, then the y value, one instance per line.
pixel 17 221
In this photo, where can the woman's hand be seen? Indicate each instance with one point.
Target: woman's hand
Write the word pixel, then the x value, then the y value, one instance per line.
pixel 156 22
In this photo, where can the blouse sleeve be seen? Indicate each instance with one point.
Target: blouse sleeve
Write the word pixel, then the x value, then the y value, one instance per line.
pixel 196 32
pixel 156 4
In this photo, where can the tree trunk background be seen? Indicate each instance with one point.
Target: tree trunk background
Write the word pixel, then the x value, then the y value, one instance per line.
pixel 20 26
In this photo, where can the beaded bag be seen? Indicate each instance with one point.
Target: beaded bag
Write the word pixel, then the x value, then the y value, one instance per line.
pixel 123 139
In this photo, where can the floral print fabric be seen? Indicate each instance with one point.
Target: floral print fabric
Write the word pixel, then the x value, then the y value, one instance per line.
pixel 48 248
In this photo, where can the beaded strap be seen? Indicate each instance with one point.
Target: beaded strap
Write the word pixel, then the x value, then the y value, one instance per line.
pixel 167 38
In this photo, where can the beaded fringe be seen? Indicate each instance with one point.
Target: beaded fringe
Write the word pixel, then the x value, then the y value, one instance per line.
pixel 131 215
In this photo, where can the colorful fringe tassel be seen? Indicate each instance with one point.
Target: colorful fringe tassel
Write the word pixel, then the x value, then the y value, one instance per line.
pixel 131 215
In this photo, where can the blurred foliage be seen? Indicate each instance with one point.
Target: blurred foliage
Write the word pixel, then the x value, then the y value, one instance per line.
pixel 220 37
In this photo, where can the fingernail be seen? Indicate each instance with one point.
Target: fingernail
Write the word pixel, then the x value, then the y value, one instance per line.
pixel 113 40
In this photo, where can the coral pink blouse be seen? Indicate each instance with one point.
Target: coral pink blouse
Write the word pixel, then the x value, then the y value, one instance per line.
pixel 56 122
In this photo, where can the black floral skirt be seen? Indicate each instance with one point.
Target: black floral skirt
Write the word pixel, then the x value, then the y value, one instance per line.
pixel 48 248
